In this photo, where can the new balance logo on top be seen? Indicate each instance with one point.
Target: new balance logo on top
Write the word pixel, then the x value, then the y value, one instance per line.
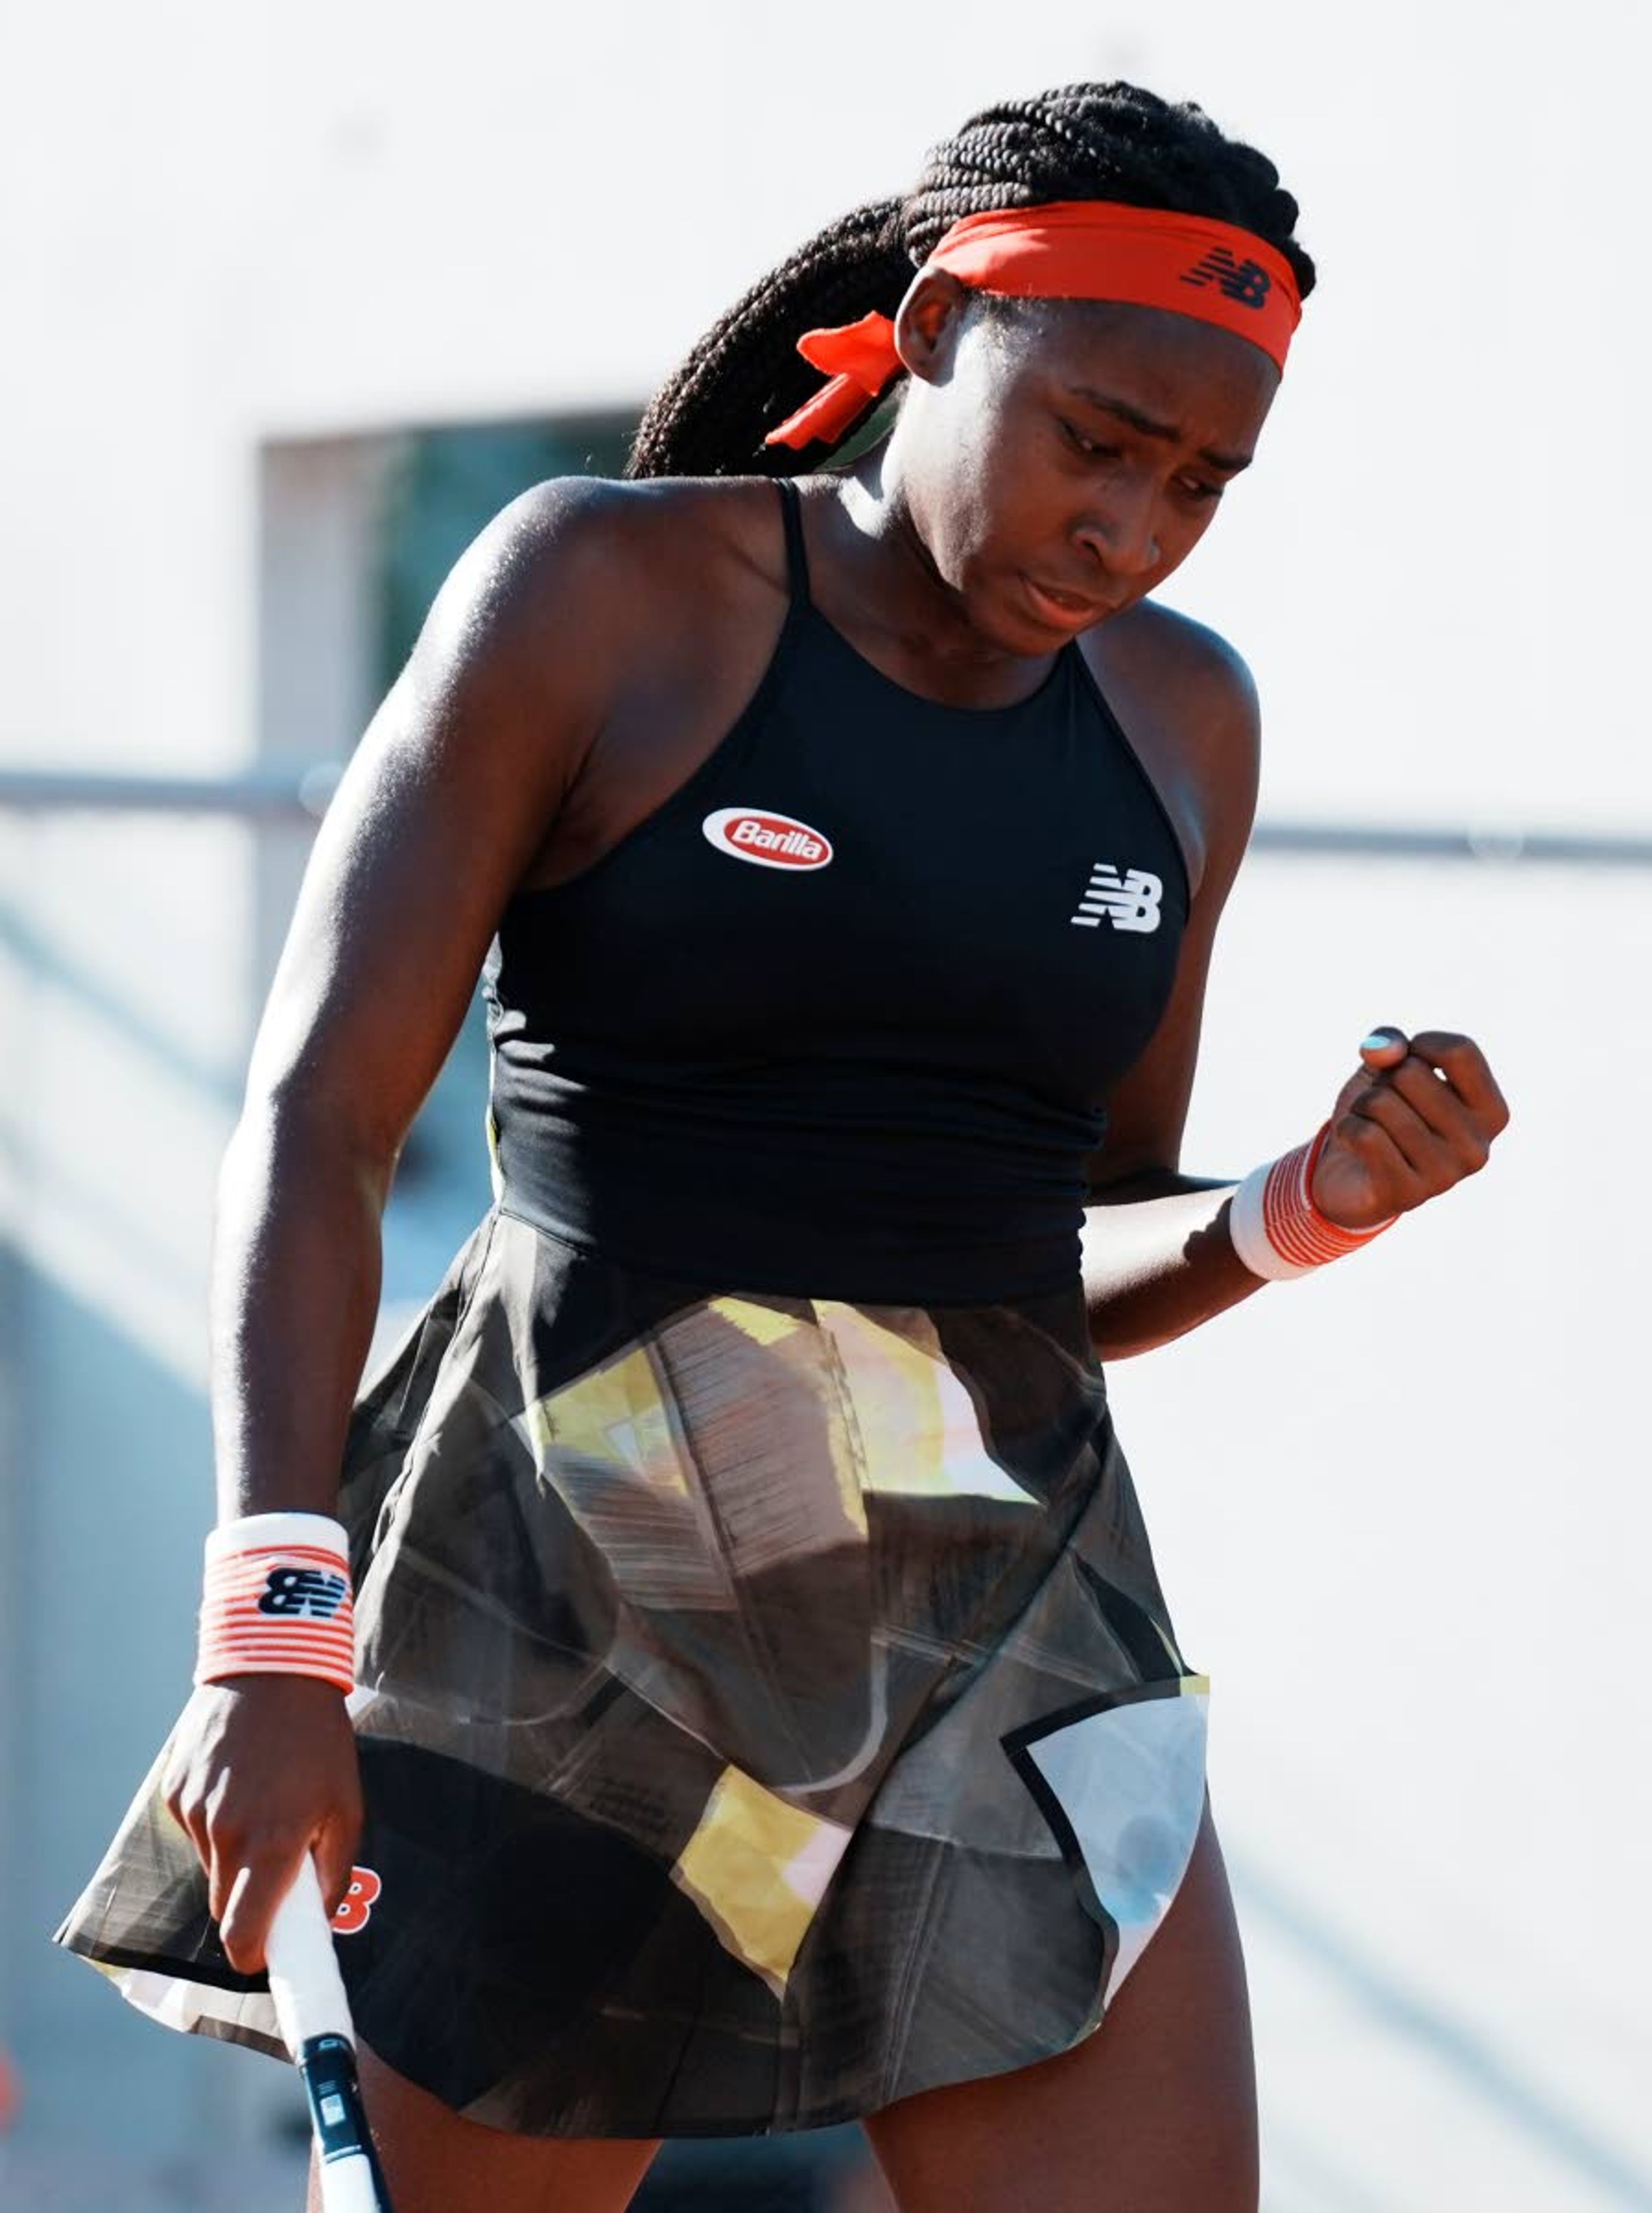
pixel 303 1590
pixel 1130 902
pixel 1247 282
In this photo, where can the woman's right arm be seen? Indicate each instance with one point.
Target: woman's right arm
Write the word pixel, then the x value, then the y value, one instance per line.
pixel 438 815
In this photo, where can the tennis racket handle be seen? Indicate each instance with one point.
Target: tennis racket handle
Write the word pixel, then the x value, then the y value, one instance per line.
pixel 314 2016
pixel 304 1980
pixel 347 2188
pixel 349 2169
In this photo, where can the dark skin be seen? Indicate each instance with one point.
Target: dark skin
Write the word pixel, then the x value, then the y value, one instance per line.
pixel 590 649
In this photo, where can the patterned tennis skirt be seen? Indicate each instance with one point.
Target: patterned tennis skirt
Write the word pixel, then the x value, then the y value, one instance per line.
pixel 767 1708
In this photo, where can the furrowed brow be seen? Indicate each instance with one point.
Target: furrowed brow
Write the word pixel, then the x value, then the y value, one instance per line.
pixel 1230 464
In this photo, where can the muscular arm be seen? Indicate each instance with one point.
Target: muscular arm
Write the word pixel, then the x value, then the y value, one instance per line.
pixel 1157 1258
pixel 439 812
pixel 433 822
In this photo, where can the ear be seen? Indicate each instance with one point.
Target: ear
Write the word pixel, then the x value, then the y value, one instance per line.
pixel 927 324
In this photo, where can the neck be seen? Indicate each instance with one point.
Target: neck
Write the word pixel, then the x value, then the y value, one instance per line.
pixel 888 586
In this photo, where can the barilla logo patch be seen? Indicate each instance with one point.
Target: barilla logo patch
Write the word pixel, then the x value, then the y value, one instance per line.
pixel 772 841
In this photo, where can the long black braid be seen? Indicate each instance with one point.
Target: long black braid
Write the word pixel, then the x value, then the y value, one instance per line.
pixel 1111 142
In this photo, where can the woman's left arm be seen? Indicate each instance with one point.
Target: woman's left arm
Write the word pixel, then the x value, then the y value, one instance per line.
pixel 1417 1115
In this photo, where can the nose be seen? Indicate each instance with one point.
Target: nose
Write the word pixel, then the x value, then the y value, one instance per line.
pixel 1120 530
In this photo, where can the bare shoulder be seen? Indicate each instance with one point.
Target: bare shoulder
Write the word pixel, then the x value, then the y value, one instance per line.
pixel 631 566
pixel 1188 703
pixel 674 525
pixel 681 598
pixel 603 541
pixel 1202 681
pixel 584 596
pixel 537 655
pixel 713 547
pixel 1188 652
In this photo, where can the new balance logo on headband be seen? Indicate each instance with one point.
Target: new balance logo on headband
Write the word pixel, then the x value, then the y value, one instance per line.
pixel 1245 282
pixel 311 1591
pixel 1130 902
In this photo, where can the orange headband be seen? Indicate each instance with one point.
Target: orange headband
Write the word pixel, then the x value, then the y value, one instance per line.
pixel 1068 250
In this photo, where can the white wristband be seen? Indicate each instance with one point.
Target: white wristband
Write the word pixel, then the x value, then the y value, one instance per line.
pixel 1275 1227
pixel 277 1600
pixel 254 1532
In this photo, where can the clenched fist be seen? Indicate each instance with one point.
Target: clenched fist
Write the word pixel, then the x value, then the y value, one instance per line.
pixel 1419 1115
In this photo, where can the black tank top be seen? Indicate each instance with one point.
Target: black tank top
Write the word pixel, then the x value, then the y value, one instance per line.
pixel 840 1017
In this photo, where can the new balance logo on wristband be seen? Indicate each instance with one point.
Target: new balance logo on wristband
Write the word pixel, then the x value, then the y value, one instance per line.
pixel 310 1591
pixel 1129 902
pixel 276 1601
pixel 1245 282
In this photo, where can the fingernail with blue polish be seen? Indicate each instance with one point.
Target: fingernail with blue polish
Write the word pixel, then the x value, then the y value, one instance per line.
pixel 1376 1040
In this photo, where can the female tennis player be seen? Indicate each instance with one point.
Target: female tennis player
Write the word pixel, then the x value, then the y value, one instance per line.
pixel 760 1708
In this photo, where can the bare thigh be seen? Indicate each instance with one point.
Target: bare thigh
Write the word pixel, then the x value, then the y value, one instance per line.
pixel 1156 2112
pixel 436 2162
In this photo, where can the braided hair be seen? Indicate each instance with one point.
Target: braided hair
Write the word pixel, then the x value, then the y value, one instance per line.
pixel 1112 142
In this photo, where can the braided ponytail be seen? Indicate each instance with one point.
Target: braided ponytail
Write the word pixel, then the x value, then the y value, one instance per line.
pixel 747 370
pixel 1113 142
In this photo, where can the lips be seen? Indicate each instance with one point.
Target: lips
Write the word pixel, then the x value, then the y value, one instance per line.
pixel 1070 610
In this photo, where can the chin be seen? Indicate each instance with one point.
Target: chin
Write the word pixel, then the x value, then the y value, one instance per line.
pixel 997 614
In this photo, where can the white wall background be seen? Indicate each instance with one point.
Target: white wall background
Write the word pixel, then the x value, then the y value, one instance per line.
pixel 225 226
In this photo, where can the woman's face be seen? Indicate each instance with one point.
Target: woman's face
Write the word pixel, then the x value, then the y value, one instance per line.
pixel 1059 458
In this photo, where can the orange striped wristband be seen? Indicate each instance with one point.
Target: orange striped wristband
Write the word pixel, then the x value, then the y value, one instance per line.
pixel 1276 1229
pixel 277 1600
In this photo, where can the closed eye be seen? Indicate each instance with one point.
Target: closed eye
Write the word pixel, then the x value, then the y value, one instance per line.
pixel 1197 490
pixel 1087 446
